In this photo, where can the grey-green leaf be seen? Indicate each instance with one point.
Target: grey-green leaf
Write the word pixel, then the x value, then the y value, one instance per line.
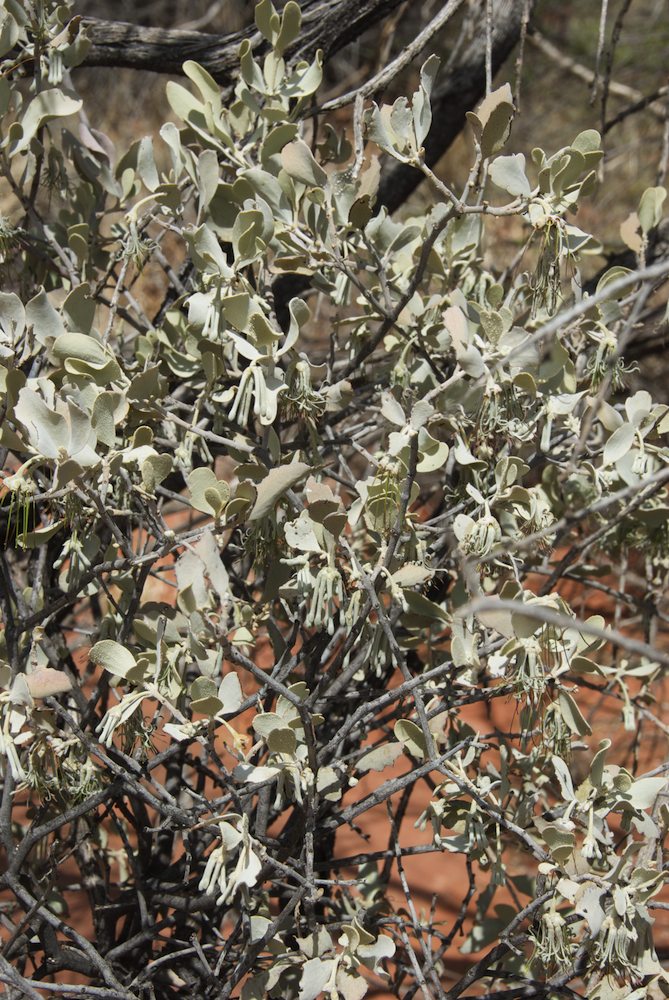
pixel 299 163
pixel 274 485
pixel 114 657
pixel 411 737
pixel 46 106
pixel 316 974
pixel 650 208
pixel 381 757
pixel 508 173
pixel 619 443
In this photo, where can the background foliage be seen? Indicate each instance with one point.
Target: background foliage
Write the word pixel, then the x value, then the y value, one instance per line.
pixel 270 541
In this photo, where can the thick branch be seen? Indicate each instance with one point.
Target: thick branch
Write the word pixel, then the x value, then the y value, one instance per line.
pixel 326 24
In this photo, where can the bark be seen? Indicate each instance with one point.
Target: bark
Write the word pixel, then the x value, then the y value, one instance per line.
pixel 326 24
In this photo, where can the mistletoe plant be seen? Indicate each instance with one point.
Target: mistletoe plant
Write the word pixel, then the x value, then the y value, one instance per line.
pixel 257 548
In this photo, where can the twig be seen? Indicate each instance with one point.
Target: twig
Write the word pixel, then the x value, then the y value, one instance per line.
pixel 577 69
pixel 649 101
pixel 409 52
pixel 601 42
pixel 548 617
pixel 418 930
pixel 563 319
pixel 615 37
pixel 488 46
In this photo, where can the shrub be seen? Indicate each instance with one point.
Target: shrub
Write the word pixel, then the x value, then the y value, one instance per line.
pixel 365 500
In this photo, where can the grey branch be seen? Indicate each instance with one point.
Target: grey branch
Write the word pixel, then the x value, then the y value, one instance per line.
pixel 326 24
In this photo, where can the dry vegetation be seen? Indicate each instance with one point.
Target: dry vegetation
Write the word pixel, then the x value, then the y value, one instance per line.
pixel 189 847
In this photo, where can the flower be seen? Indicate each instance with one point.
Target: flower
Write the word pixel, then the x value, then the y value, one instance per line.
pixel 327 590
pixel 552 941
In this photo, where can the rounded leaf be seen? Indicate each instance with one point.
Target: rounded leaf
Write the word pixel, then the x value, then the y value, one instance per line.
pixel 113 657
